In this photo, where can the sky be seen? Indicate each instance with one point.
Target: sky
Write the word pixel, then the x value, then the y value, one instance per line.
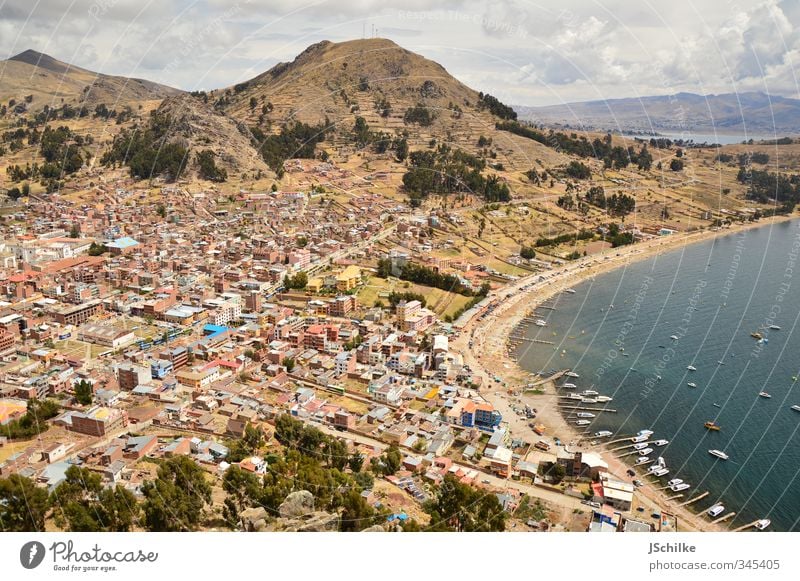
pixel 524 52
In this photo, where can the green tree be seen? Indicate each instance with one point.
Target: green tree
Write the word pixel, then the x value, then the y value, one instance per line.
pixel 243 489
pixel 23 505
pixel 391 460
pixel 84 392
pixel 461 507
pixel 82 504
pixel 175 500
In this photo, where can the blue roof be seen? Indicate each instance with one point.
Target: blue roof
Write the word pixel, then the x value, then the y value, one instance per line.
pixel 124 242
pixel 214 330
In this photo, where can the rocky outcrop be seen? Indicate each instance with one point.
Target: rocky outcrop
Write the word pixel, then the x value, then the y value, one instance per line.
pixel 297 504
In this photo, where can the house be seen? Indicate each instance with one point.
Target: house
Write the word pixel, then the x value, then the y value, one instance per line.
pixel 137 447
pixel 56 451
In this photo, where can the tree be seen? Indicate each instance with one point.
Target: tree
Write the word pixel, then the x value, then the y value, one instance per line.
pixel 461 507
pixel 23 505
pixel 75 231
pixel 243 489
pixel 528 253
pixel 82 504
pixel 676 164
pixel 356 462
pixel 175 500
pixel 391 460
pixel 84 392
pixel 298 281
pixel 357 514
pixel 401 150
pixel 207 167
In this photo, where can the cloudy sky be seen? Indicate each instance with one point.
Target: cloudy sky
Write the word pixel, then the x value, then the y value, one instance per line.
pixel 526 52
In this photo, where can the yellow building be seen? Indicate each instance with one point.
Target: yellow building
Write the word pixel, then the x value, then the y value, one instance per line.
pixel 314 285
pixel 348 279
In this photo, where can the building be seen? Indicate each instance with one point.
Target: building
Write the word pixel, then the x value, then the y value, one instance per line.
pixel 197 379
pixel 345 362
pixel 79 314
pixel 7 341
pixel 129 376
pixel 614 493
pixel 160 368
pixel 348 279
pixel 106 335
pixel 98 421
pixel 486 417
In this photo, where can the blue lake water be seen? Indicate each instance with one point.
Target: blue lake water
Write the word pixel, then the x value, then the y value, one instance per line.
pixel 712 296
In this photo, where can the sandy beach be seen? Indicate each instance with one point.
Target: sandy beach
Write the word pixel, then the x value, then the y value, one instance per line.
pixel 489 356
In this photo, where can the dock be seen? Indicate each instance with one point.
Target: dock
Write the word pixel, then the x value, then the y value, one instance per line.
pixel 723 518
pixel 695 499
pixel 580 408
pixel 747 526
pixel 677 496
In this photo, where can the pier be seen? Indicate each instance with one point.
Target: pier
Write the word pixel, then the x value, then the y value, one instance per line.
pixel 695 499
pixel 581 408
pixel 747 526
pixel 677 496
pixel 723 518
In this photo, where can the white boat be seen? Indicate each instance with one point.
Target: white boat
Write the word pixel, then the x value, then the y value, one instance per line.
pixel 661 442
pixel 642 460
pixel 764 394
pixel 653 468
pixel 570 291
pixel 719 454
pixel 590 392
pixel 571 374
pixel 588 400
pixel 692 384
pixel 644 433
pixel 674 337
pixel 574 396
pixel 603 398
pixel 642 438
pixel 645 452
pixel 582 423
pixel 603 434
pixel 540 323
pixel 661 472
pixel 674 481
pixel 763 523
pixel 691 368
pixel 716 510
pixel 796 408
pixel 569 386
pixel 585 415
pixel 775 327
pixel 640 446
pixel 679 487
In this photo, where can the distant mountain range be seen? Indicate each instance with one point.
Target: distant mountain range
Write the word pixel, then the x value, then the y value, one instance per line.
pixel 757 113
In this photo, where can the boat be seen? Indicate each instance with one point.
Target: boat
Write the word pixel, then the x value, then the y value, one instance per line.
pixel 660 461
pixel 674 337
pixel 569 386
pixel 603 398
pixel 585 415
pixel 590 392
pixel 712 426
pixel 661 442
pixel 588 400
pixel 763 523
pixel 691 368
pixel 692 384
pixel 573 396
pixel 674 482
pixel 764 394
pixel 582 423
pixel 661 472
pixel 644 433
pixel 720 362
pixel 719 454
pixel 680 487
pixel 642 460
pixel 640 446
pixel 645 452
pixel 796 408
pixel 775 327
pixel 716 510
pixel 716 405
pixel 571 374
pixel 603 434
pixel 540 323
pixel 570 291
pixel 756 335
pixel 637 439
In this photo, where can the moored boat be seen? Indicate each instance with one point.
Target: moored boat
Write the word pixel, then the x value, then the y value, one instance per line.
pixel 571 374
pixel 719 454
pixel 602 434
pixel 691 368
pixel 764 394
pixel 763 523
pixel 712 426
pixel 716 510
pixel 582 423
pixel 661 442
pixel 569 386
pixel 679 487
pixel 585 415
pixel 692 384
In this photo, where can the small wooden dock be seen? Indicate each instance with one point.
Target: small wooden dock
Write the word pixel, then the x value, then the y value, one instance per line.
pixel 695 499
pixel 677 496
pixel 581 408
pixel 747 526
pixel 723 518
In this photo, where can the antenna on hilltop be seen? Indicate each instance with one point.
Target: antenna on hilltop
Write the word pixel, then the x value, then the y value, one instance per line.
pixel 364 30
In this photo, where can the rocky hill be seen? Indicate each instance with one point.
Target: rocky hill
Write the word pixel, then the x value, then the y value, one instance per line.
pixel 45 80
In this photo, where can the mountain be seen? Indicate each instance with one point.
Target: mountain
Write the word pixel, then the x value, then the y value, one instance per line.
pixel 48 81
pixel 726 113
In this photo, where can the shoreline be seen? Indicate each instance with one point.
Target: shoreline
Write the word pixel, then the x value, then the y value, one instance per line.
pixel 490 338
